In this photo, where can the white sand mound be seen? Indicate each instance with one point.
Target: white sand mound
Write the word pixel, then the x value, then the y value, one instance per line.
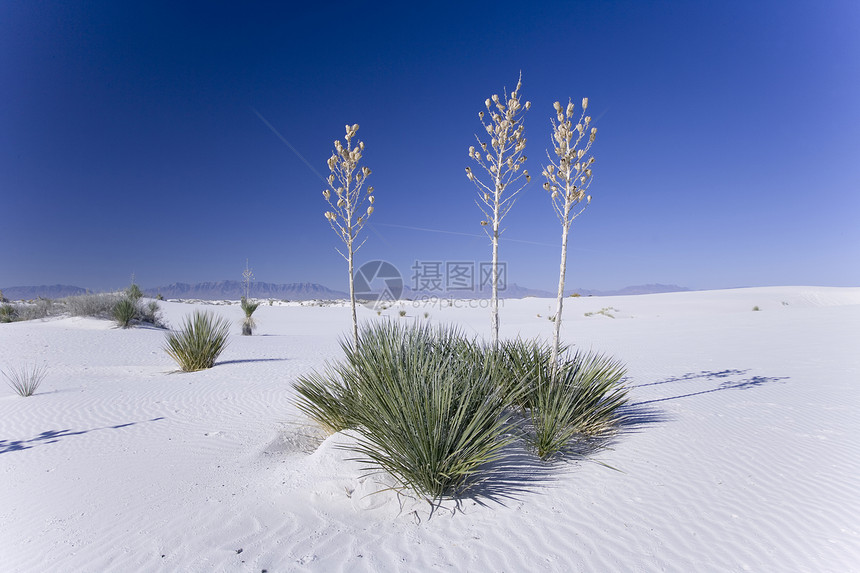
pixel 744 455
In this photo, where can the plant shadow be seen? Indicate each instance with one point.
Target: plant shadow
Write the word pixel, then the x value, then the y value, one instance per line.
pixel 54 436
pixel 728 381
pixel 247 360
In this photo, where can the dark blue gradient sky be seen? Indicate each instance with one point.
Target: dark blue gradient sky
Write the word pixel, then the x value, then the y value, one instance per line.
pixel 727 152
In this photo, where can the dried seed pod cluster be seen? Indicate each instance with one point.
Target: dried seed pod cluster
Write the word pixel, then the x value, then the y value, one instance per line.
pixel 346 180
pixel 569 175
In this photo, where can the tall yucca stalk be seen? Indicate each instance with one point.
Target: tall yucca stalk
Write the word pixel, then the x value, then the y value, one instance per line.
pixel 248 307
pixel 346 181
pixel 247 277
pixel 502 159
pixel 567 179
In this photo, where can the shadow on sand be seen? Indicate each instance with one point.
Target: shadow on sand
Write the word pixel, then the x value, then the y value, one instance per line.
pixel 54 436
pixel 731 379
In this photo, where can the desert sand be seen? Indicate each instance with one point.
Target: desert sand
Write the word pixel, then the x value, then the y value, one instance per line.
pixel 742 455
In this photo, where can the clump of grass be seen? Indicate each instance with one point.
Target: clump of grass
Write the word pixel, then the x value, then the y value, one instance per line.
pixel 199 343
pixel 248 323
pixel 402 313
pixel 422 412
pixel 606 311
pixel 756 308
pixel 25 380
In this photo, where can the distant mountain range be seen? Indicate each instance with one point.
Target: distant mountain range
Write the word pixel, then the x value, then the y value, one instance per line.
pixel 44 291
pixel 630 290
pixel 233 290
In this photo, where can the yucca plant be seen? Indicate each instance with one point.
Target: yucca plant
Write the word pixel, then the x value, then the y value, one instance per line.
pixel 515 364
pixel 580 396
pixel 420 411
pixel 8 313
pixel 125 311
pixel 133 291
pixel 199 343
pixel 326 399
pixel 248 323
pixel 25 380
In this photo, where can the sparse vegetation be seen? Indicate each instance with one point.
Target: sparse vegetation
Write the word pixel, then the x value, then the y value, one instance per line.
pixel 756 308
pixel 129 308
pixel 38 309
pixel 199 343
pixel 402 313
pixel 93 305
pixel 605 311
pixel 26 380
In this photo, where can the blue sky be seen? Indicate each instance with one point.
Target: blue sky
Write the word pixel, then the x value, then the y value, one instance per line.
pixel 727 150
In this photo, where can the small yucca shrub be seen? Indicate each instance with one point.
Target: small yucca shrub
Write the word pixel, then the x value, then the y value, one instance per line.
pixel 133 292
pixel 420 410
pixel 25 380
pixel 582 396
pixel 199 343
pixel 8 313
pixel 248 323
pixel 124 312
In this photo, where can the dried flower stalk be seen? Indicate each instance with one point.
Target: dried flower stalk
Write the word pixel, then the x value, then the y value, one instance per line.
pixel 568 177
pixel 345 198
pixel 502 159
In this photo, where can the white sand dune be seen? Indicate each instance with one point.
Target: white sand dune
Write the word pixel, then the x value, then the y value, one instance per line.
pixel 744 455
